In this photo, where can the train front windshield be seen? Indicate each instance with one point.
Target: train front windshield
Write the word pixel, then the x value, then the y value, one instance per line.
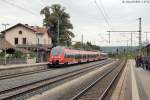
pixel 56 51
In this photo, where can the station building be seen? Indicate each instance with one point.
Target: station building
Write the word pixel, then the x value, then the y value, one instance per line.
pixel 28 39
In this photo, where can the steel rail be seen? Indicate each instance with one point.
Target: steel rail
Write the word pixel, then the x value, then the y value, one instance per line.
pixel 11 92
pixel 25 73
pixel 94 83
pixel 111 83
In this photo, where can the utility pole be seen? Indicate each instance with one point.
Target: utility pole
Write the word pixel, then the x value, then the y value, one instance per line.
pixel 147 41
pixel 82 41
pixel 58 31
pixel 140 31
pixel 131 40
pixel 146 38
pixel 37 48
pixel 5 59
pixel 127 45
pixel 123 31
pixel 109 36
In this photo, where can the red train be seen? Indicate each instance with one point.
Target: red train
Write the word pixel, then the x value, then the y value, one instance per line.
pixel 61 55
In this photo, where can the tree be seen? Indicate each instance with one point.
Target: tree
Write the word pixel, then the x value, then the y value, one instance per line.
pixel 52 15
pixel 86 46
pixel 77 45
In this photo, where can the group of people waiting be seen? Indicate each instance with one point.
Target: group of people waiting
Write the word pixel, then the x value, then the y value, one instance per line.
pixel 142 61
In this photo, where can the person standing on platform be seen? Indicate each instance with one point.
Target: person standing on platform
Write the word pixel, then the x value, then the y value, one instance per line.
pixel 146 63
pixel 137 60
pixel 142 61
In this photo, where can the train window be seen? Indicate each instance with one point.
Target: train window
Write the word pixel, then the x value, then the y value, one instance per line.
pixel 72 56
pixel 66 55
pixel 84 56
pixel 69 55
pixel 56 51
pixel 77 56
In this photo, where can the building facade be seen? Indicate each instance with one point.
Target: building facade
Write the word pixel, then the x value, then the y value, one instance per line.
pixel 23 34
pixel 31 38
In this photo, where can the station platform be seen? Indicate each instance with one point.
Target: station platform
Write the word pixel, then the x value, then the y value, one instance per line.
pixel 134 84
pixel 127 87
pixel 12 66
pixel 143 81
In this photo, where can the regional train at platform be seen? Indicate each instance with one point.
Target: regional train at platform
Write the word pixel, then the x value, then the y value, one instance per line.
pixel 64 56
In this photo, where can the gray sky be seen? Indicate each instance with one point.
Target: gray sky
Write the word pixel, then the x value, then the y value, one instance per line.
pixel 87 19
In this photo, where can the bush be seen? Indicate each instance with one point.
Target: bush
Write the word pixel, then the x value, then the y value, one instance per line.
pixel 18 54
pixel 2 54
pixel 31 55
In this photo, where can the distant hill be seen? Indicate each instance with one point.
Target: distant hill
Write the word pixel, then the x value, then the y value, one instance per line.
pixel 120 49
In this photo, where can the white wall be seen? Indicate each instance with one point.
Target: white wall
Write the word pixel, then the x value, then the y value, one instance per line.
pixel 26 33
pixel 31 37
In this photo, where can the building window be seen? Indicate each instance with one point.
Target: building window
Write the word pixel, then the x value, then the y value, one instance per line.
pixel 20 32
pixel 24 41
pixel 38 41
pixel 44 41
pixel 49 41
pixel 16 41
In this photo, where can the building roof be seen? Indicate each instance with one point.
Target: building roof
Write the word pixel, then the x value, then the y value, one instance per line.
pixel 35 29
pixel 148 45
pixel 4 44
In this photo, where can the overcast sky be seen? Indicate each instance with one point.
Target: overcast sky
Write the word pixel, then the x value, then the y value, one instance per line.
pixel 86 18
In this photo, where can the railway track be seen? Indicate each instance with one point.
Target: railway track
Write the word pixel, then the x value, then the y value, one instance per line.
pixel 22 74
pixel 25 73
pixel 21 90
pixel 21 71
pixel 98 89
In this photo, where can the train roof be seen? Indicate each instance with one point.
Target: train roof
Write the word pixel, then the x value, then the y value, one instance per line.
pixel 62 47
pixel 104 53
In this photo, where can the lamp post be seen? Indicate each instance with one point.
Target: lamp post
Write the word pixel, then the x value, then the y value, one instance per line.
pixel 5 59
pixel 37 45
pixel 58 31
pixel 82 42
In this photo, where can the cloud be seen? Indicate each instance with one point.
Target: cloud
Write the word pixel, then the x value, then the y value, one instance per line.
pixel 85 16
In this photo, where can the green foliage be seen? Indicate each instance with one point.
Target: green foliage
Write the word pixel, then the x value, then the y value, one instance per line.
pixel 122 55
pixel 16 54
pixel 77 45
pixel 112 55
pixel 31 55
pixel 52 15
pixel 86 46
pixel 2 54
pixel 144 51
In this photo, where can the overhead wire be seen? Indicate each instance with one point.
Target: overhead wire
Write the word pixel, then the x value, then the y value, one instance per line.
pixel 19 7
pixel 103 13
pixel 103 39
pixel 109 20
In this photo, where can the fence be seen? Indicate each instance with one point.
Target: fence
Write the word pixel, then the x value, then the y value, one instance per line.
pixel 13 61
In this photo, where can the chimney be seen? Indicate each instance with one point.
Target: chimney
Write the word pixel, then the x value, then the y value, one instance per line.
pixel 37 26
pixel 26 25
